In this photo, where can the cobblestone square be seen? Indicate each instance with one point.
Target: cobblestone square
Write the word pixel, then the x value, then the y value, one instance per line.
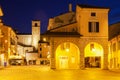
pixel 45 73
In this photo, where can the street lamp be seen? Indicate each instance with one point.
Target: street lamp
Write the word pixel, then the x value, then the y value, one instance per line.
pixel 67 49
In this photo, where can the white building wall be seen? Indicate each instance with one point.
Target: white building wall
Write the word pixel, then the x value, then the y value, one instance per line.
pixel 25 39
pixel 31 56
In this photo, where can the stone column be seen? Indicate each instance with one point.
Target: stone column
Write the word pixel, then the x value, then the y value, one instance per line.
pixel 52 61
pixel 82 60
pixel 105 58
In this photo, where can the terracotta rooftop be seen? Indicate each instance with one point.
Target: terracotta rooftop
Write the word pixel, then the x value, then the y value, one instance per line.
pixel 114 30
pixel 62 34
pixel 91 6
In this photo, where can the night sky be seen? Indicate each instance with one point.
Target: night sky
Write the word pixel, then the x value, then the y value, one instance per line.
pixel 19 13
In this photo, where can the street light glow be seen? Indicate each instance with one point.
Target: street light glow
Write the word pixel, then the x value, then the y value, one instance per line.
pixel 67 50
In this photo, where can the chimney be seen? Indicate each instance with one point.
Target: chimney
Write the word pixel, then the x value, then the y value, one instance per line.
pixel 70 7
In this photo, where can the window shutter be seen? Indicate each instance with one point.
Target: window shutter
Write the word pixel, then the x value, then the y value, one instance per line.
pixel 90 27
pixel 97 26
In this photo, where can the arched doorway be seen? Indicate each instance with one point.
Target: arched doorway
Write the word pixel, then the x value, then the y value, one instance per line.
pixel 67 56
pixel 93 55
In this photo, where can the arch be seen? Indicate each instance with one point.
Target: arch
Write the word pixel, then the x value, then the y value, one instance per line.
pixel 67 56
pixel 93 55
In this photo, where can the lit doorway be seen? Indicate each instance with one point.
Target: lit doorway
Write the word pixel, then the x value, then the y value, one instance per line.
pixel 93 55
pixel 67 56
pixel 63 62
pixel 93 62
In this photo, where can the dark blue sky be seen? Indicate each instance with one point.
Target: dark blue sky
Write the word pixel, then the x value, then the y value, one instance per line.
pixel 19 13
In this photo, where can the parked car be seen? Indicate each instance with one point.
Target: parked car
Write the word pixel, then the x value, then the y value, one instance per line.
pixel 16 61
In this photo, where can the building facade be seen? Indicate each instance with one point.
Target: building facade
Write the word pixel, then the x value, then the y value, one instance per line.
pixel 8 44
pixel 28 43
pixel 79 40
pixel 73 40
pixel 44 52
pixel 114 46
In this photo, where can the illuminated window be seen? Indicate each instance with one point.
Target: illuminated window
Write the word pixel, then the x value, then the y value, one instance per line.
pixel 44 39
pixel 93 14
pixel 93 26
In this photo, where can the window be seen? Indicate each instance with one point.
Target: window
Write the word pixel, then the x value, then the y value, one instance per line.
pixel 40 49
pixel 62 46
pixel 40 55
pixel 68 45
pixel 119 45
pixel 93 14
pixel 26 50
pixel 114 47
pixel 110 48
pixel 40 44
pixel 93 26
pixel 92 47
pixel 73 30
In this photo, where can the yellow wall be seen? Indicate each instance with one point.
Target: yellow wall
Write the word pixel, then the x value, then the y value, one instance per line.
pixel 8 36
pixel 84 16
pixel 114 53
pixel 45 50
pixel 98 50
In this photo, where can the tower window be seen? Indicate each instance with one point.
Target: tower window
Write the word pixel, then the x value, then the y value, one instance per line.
pixel 36 24
pixel 40 49
pixel 93 14
pixel 93 26
pixel 40 55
